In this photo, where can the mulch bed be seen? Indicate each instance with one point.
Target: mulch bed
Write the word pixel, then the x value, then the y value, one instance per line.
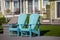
pixel 1 31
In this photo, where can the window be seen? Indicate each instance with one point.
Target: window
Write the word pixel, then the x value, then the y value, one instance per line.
pixel 16 5
pixel 36 5
pixel 0 5
pixel 30 6
pixel 45 2
pixel 7 4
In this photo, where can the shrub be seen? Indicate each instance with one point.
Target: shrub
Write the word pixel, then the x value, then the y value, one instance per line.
pixel 2 20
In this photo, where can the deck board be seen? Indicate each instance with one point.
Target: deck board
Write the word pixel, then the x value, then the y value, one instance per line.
pixel 13 20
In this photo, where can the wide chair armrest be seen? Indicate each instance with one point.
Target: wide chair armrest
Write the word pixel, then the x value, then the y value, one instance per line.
pixel 11 25
pixel 30 25
pixel 34 24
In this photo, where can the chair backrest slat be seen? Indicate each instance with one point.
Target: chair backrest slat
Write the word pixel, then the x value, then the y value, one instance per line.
pixel 21 18
pixel 33 20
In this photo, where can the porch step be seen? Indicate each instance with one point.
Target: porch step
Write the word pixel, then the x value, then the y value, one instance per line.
pixel 13 20
pixel 45 21
pixel 5 30
pixel 4 25
pixel 56 21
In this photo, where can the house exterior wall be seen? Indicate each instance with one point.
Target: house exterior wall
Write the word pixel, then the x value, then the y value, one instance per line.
pixel 2 6
pixel 52 9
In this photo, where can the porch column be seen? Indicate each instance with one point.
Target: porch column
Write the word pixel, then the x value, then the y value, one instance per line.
pixel 27 6
pixel 2 6
pixel 24 6
pixel 38 4
pixel 33 6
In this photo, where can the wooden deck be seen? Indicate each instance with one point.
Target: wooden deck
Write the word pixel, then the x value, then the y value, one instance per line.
pixel 13 20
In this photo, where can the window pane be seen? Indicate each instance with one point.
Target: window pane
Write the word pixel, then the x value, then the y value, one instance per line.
pixel 30 6
pixel 16 5
pixel 7 4
pixel 45 2
pixel 22 6
pixel 36 5
pixel 58 9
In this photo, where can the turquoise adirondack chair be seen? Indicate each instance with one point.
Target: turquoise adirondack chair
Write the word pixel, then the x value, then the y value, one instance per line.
pixel 21 20
pixel 33 21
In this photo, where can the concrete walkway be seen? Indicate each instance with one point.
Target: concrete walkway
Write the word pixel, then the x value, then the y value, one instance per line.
pixel 5 36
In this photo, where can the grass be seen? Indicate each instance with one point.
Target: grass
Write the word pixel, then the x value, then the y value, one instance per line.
pixel 50 30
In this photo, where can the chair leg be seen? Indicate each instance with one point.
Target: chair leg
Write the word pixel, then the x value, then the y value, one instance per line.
pixel 17 33
pixel 38 32
pixel 30 34
pixel 9 33
pixel 21 34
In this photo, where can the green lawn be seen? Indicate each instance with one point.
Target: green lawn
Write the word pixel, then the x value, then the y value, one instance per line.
pixel 50 30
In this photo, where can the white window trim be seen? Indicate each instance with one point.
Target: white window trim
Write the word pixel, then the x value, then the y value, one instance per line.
pixel 13 5
pixel 42 3
pixel 56 10
pixel 33 6
pixel 39 5
pixel 26 6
